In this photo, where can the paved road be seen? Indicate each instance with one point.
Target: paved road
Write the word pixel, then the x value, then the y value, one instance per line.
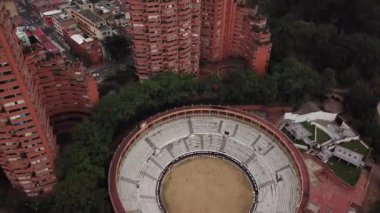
pixel 110 69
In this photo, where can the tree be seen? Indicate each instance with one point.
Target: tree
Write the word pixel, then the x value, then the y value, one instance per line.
pixel 375 86
pixel 363 103
pixel 210 86
pixel 82 186
pixel 233 87
pixel 168 89
pixel 349 76
pixel 361 99
pixel 267 90
pixel 117 46
pixel 328 78
pixel 324 34
pixel 295 80
pixel 245 87
pixel 82 168
pixel 303 39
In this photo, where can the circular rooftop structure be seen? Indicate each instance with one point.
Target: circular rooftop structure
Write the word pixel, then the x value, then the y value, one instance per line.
pixel 207 159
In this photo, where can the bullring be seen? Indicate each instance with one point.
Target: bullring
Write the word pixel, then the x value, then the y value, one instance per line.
pixel 277 174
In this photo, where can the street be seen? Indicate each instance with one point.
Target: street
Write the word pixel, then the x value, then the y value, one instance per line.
pixel 109 69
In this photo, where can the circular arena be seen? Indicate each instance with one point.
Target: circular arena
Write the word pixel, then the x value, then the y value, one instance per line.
pixel 207 159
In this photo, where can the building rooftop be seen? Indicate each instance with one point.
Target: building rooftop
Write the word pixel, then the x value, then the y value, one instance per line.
pixel 334 124
pixel 45 41
pixel 298 130
pixel 40 4
pixel 72 31
pixel 10 6
pixel 62 17
pixel 52 12
pixel 80 39
pixel 81 1
pixel 107 6
pixel 24 34
pixel 336 130
pixel 104 28
pixel 348 155
pixel 91 16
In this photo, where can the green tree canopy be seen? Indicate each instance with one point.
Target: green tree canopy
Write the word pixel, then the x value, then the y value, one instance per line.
pixel 328 78
pixel 245 87
pixel 295 80
pixel 117 46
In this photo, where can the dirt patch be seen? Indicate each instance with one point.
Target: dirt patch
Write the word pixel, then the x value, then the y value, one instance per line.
pixel 207 185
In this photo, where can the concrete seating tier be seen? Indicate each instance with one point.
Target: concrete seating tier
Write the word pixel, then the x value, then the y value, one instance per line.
pixel 275 176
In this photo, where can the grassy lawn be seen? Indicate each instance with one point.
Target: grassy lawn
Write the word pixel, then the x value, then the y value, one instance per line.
pixel 309 127
pixel 347 172
pixel 356 146
pixel 322 136
pixel 300 142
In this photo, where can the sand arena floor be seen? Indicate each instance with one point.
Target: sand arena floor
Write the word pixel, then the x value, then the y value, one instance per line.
pixel 206 185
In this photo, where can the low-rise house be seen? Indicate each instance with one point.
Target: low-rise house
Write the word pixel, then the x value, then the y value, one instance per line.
pixel 92 24
pixel 63 21
pixel 48 17
pixel 88 49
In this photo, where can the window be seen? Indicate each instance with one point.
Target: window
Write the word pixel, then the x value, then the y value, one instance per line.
pixel 4 64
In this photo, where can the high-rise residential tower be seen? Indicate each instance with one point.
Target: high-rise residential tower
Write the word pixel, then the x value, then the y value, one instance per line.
pixel 173 35
pixel 165 36
pixel 38 90
pixel 251 38
pixel 230 28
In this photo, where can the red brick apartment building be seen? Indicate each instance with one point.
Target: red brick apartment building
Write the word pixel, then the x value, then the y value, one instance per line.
pixel 173 35
pixel 38 90
pixel 88 49
pixel 41 6
pixel 165 35
pixel 232 29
